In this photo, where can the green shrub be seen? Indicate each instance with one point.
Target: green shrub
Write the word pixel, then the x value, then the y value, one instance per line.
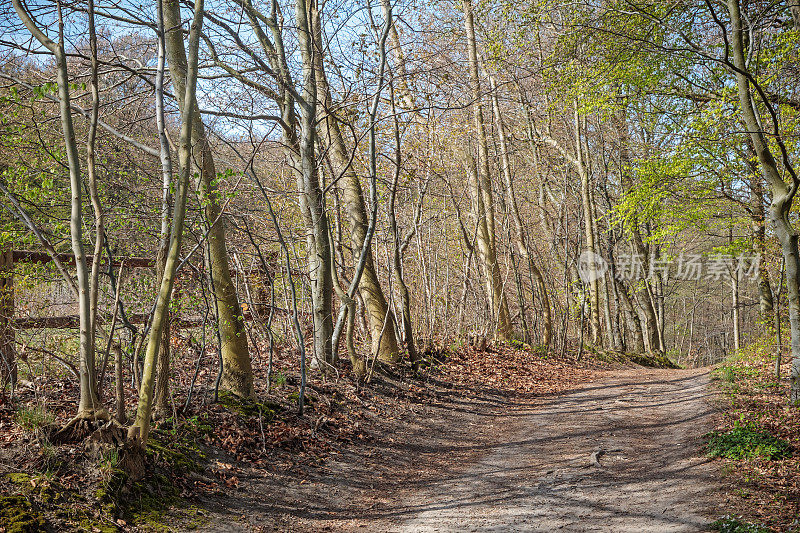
pixel 734 373
pixel 745 441
pixel 279 379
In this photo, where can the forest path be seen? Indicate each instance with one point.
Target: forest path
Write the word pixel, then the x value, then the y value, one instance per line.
pixel 622 454
pixel 482 463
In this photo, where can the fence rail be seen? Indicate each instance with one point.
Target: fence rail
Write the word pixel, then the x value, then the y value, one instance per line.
pixel 9 323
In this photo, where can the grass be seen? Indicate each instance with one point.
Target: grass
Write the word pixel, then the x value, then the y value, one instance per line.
pixel 33 418
pixel 745 441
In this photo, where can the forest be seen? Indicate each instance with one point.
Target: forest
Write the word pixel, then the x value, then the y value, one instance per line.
pixel 393 265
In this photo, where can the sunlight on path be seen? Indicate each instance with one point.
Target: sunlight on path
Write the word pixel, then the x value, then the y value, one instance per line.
pixel 620 455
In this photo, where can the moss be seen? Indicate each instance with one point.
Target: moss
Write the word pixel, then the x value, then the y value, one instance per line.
pixel 653 361
pixel 80 519
pixel 19 478
pixel 48 491
pixel 180 454
pixel 149 501
pixel 641 359
pixel 194 517
pixel 248 407
pixel 17 515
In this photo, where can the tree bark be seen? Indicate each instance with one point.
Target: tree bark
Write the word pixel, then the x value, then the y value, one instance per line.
pixel 483 203
pixel 352 193
pixel 587 202
pixel 237 373
pixel 140 430
pixel 519 229
pixel 782 194
pixel 320 262
pixel 758 219
pixel 88 404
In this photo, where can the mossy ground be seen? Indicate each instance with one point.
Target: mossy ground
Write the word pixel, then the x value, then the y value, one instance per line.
pixel 106 498
pixel 17 515
pixel 249 407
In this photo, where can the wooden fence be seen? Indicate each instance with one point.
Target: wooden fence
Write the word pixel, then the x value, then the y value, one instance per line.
pixel 9 323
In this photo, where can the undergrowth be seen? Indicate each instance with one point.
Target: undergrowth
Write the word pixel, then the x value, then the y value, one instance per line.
pixel 746 441
pixel 758 435
pixel 731 524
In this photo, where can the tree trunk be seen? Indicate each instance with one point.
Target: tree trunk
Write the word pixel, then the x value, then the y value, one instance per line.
pixel 483 203
pixel 758 218
pixel 237 373
pixel 369 285
pixel 88 404
pixel 165 156
pixel 587 202
pixel 737 334
pixel 320 262
pixel 519 233
pixel 140 430
pixel 782 195
pixel 355 210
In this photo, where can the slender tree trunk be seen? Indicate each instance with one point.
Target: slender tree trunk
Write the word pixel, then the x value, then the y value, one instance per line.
pixel 352 193
pixel 737 333
pixel 519 233
pixel 320 262
pixel 88 405
pixel 140 430
pixel 778 337
pixel 397 251
pixel 587 202
pixel 782 194
pixel 482 193
pixel 237 373
pixel 91 174
pixel 765 303
pixel 165 155
pixel 369 285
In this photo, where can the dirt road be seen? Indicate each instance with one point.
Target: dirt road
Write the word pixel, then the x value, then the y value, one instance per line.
pixel 620 454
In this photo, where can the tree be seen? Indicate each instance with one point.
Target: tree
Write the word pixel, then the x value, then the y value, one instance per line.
pixel 481 188
pixel 140 430
pixel 89 408
pixel 237 374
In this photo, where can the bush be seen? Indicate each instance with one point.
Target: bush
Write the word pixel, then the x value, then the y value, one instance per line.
pixel 745 441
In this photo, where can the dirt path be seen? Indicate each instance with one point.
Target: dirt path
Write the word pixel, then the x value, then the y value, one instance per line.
pixel 641 427
pixel 620 454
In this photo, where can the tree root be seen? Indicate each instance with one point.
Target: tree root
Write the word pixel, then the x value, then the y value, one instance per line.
pixel 84 424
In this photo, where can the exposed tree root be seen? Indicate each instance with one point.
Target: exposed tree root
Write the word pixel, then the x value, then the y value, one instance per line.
pixel 84 424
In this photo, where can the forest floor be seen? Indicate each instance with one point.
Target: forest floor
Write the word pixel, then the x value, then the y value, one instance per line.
pixel 498 440
pixel 621 451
